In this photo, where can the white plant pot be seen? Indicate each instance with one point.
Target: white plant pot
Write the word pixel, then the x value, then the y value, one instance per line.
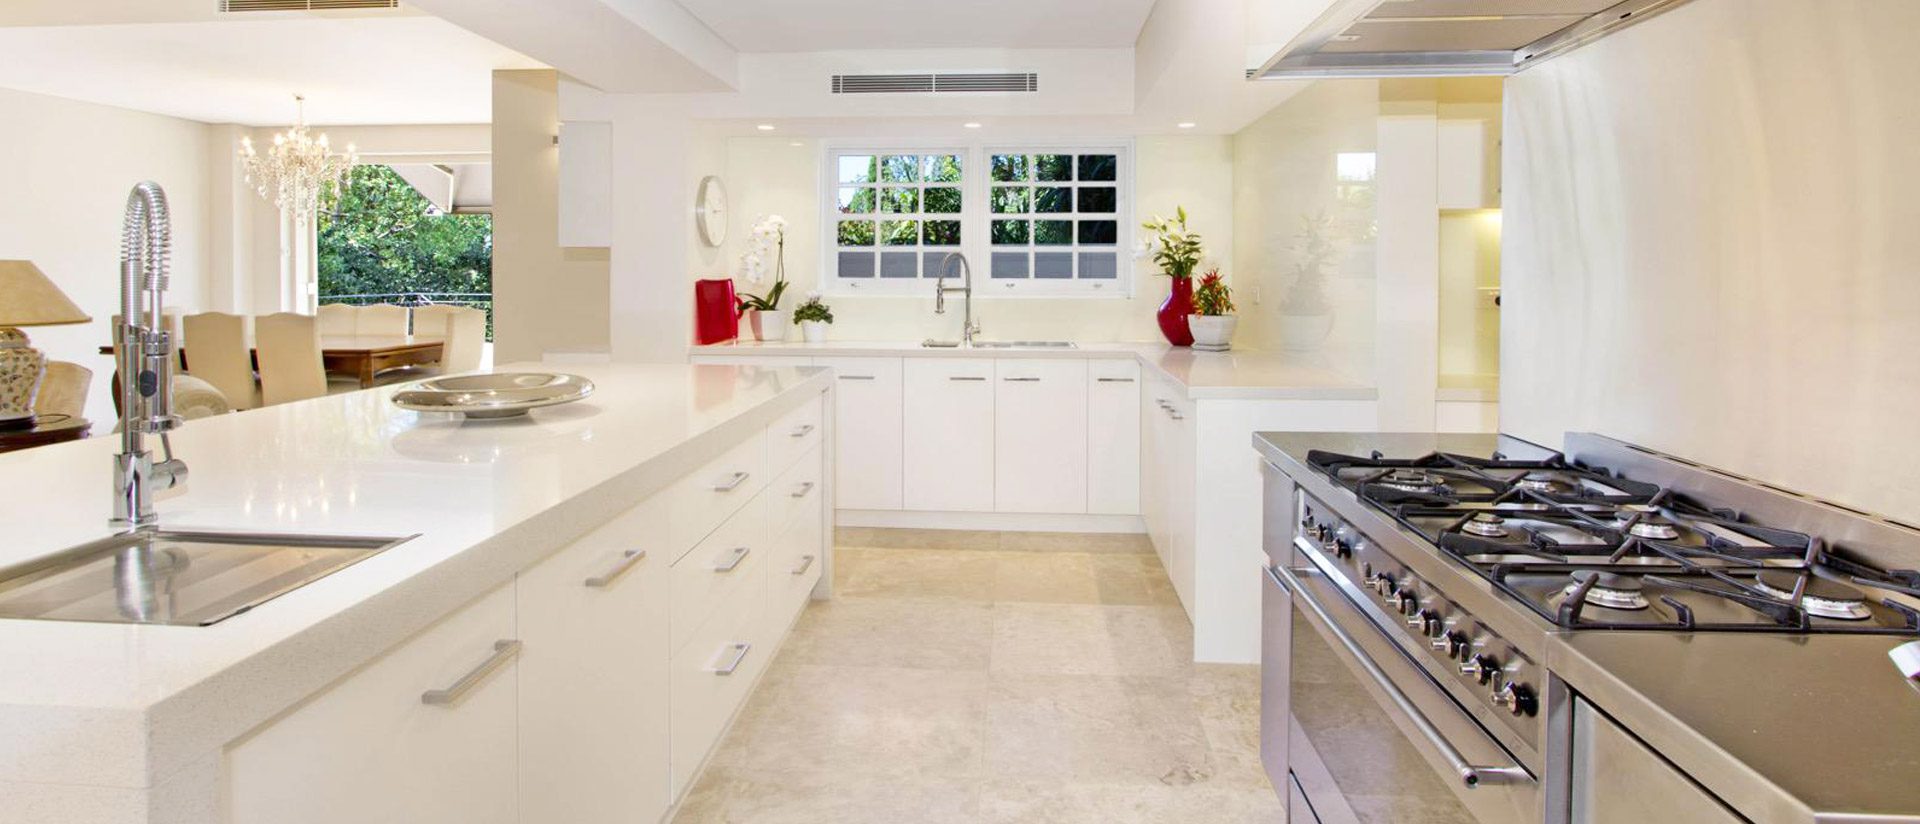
pixel 768 325
pixel 814 331
pixel 1212 330
pixel 1304 333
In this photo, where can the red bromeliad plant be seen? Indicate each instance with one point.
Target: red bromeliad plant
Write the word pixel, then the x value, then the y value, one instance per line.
pixel 1213 297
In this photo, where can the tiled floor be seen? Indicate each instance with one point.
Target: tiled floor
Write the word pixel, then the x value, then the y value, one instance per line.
pixel 992 677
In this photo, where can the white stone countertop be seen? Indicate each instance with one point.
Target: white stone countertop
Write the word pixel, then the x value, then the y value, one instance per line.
pixel 127 706
pixel 1232 375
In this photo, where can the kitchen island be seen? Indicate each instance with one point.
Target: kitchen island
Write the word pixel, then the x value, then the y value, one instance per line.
pixel 678 495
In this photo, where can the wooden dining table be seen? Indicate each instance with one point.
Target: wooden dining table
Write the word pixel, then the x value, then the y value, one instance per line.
pixel 362 356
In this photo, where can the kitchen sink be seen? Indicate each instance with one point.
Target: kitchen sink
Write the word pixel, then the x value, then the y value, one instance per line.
pixel 175 576
pixel 1001 344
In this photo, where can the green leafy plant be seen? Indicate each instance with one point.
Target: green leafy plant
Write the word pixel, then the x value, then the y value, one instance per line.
pixel 1212 296
pixel 813 309
pixel 764 303
pixel 1176 248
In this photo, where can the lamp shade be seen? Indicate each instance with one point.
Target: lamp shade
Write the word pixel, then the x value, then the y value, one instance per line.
pixel 28 298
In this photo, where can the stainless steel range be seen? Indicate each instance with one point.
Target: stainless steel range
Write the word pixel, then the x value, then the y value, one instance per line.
pixel 1429 599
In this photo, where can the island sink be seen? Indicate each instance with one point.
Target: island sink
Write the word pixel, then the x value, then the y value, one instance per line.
pixel 175 576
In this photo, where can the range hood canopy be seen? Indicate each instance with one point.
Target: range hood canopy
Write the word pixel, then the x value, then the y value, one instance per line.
pixel 1441 38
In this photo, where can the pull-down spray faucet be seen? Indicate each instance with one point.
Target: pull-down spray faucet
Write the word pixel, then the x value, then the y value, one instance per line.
pixel 940 289
pixel 145 360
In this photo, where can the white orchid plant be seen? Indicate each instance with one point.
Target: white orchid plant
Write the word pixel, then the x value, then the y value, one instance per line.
pixel 768 240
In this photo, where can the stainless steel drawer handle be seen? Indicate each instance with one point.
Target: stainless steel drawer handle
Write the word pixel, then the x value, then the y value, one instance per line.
pixel 856 377
pixel 628 560
pixel 1473 775
pixel 503 652
pixel 1163 403
pixel 1114 380
pixel 732 482
pixel 1175 415
pixel 1021 380
pixel 965 378
pixel 804 430
pixel 802 490
pixel 733 559
pixel 806 563
pixel 739 652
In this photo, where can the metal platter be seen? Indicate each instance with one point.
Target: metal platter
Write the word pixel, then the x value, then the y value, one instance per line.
pixel 499 395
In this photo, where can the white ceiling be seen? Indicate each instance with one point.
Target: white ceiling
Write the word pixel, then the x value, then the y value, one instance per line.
pixel 403 69
pixel 829 25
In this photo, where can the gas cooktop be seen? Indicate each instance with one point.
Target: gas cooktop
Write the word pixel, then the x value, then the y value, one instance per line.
pixel 1587 549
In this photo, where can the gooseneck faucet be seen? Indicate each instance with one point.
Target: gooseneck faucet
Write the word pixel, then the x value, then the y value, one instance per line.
pixel 145 359
pixel 940 289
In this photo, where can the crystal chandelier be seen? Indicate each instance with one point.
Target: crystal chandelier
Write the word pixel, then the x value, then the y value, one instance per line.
pixel 291 172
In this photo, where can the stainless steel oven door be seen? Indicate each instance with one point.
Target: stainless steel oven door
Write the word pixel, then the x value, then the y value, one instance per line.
pixel 1368 735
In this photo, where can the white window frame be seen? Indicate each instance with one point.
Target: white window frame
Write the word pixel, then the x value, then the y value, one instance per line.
pixel 976 219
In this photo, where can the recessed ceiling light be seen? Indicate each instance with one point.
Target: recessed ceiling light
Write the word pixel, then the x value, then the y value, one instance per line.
pixel 972 125
pixel 765 127
pixel 796 144
pixel 1188 125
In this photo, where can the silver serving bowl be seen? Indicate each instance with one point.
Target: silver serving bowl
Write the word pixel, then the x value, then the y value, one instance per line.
pixel 500 395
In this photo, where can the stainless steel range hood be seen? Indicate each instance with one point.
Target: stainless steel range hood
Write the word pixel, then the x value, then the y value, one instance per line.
pixel 1439 38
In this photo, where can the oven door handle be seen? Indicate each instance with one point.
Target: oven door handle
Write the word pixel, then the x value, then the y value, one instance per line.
pixel 1473 775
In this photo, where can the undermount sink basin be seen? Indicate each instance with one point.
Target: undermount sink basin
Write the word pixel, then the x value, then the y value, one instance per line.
pixel 1004 344
pixel 178 577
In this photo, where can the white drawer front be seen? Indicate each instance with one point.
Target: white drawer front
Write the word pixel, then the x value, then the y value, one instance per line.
pixel 711 675
pixel 796 491
pixel 794 434
pixel 704 498
pixel 733 559
pixel 798 558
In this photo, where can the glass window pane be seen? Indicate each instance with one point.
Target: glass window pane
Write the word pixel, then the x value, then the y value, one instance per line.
pixel 1099 232
pixel 856 201
pixel 1010 265
pixel 941 169
pixel 1011 168
pixel 1053 265
pixel 899 265
pixel 1052 200
pixel 933 263
pixel 899 232
pixel 1009 233
pixel 899 168
pixel 1099 265
pixel 1012 200
pixel 943 200
pixel 900 201
pixel 1099 200
pixel 943 233
pixel 856 233
pixel 857 169
pixel 1053 167
pixel 856 264
pixel 1053 232
pixel 1099 167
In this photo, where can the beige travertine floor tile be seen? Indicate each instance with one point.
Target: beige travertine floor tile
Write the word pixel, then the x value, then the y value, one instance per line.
pixel 1095 728
pixel 813 724
pixel 1057 803
pixel 876 538
pixel 1135 580
pixel 1075 639
pixel 726 796
pixel 915 573
pixel 1049 578
pixel 948 635
pixel 1115 543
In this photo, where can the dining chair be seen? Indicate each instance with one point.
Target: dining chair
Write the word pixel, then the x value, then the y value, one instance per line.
pixel 383 319
pixel 430 321
pixel 337 319
pixel 466 340
pixel 217 352
pixel 290 366
pixel 63 390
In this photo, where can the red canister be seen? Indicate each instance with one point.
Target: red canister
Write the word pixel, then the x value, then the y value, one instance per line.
pixel 716 312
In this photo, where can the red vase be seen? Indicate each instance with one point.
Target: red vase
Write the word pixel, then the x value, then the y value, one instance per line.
pixel 1174 311
pixel 716 312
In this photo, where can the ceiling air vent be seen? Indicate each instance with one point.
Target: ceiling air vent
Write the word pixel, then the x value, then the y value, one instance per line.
pixel 305 5
pixel 935 83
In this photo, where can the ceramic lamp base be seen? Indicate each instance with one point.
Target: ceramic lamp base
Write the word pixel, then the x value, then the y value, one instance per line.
pixel 21 367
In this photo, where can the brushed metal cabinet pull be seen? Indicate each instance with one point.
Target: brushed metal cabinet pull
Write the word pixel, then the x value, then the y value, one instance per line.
pixel 804 430
pixel 503 652
pixel 627 561
pixel 804 488
pixel 739 655
pixel 856 377
pixel 1021 380
pixel 733 560
pixel 965 378
pixel 1114 380
pixel 732 482
pixel 806 563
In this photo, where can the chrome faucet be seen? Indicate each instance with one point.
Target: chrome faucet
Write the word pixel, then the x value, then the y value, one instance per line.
pixel 145 360
pixel 968 328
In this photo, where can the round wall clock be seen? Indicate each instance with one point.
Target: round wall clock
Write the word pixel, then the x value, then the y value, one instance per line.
pixel 710 211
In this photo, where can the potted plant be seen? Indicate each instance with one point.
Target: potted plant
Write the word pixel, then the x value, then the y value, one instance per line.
pixel 1306 315
pixel 1177 250
pixel 814 318
pixel 1213 319
pixel 768 239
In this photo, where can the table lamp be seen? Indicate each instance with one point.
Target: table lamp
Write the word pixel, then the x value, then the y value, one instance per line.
pixel 27 298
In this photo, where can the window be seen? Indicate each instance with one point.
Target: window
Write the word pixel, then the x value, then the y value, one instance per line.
pixel 1032 220
pixel 382 241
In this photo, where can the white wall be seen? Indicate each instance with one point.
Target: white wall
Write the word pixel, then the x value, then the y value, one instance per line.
pixel 1710 244
pixel 65 170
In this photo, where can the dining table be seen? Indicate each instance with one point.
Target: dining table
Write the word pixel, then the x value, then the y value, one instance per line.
pixel 361 357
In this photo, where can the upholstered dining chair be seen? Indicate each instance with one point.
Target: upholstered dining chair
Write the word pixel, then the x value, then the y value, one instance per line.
pixel 466 340
pixel 289 350
pixel 63 390
pixel 337 319
pixel 382 319
pixel 430 321
pixel 217 352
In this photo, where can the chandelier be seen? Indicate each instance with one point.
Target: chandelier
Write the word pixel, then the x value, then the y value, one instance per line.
pixel 294 169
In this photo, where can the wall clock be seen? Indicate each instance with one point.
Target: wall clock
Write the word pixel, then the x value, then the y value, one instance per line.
pixel 710 211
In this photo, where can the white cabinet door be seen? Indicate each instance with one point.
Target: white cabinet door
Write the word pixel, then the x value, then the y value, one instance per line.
pixel 1113 437
pixel 373 749
pixel 1040 436
pixel 593 678
pixel 949 427
pixel 867 421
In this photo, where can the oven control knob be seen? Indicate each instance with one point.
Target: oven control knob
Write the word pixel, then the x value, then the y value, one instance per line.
pixel 1406 601
pixel 1518 698
pixel 1481 667
pixel 1343 548
pixel 1381 583
pixel 1451 643
pixel 1425 622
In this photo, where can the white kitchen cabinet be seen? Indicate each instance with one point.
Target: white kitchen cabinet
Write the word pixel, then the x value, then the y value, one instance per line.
pixel 949 418
pixel 1468 157
pixel 1113 437
pixel 868 422
pixel 586 184
pixel 373 749
pixel 1168 482
pixel 712 675
pixel 1040 436
pixel 593 676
